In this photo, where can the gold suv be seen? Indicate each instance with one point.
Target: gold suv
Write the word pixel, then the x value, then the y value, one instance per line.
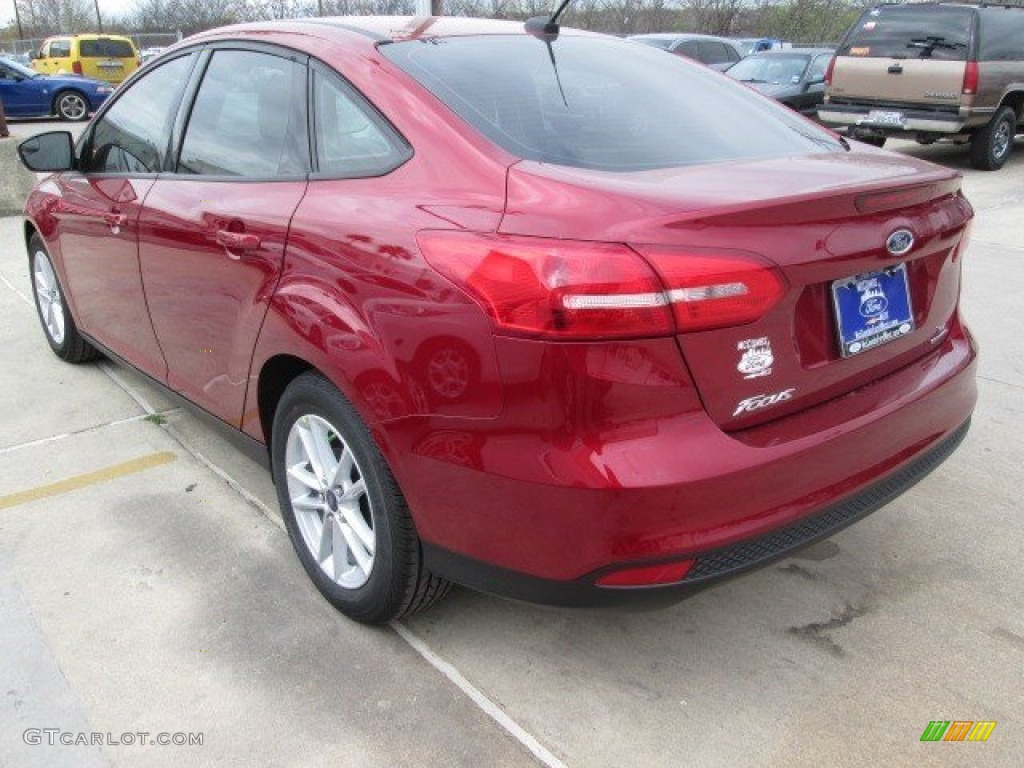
pixel 930 72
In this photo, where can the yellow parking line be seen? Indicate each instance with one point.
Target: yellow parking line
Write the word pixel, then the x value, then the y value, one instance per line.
pixel 89 478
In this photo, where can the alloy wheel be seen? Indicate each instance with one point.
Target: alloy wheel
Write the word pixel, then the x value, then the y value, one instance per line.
pixel 330 502
pixel 48 299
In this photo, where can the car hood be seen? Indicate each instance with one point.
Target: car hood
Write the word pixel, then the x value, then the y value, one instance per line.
pixel 775 90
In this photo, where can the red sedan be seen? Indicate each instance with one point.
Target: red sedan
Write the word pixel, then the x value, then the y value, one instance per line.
pixel 541 312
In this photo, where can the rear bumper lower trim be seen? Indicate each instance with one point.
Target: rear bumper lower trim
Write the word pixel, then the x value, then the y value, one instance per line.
pixel 712 566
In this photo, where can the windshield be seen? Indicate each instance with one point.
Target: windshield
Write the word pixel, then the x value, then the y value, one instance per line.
pixel 601 103
pixel 770 69
pixel 21 69
pixel 909 32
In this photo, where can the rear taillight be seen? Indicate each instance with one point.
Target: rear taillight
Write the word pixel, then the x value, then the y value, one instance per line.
pixel 76 67
pixel 971 78
pixel 571 289
pixel 553 288
pixel 711 290
pixel 828 70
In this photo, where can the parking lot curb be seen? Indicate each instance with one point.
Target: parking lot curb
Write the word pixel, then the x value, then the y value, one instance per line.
pixel 16 181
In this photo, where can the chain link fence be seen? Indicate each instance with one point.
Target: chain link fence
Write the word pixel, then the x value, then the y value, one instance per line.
pixel 142 40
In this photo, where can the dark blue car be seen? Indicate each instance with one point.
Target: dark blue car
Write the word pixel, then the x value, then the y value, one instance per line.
pixel 26 93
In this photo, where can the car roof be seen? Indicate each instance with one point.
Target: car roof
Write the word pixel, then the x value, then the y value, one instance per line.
pixel 679 36
pixel 380 29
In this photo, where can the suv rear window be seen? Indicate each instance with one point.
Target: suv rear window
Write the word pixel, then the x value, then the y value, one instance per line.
pixel 909 32
pixel 108 49
pixel 602 104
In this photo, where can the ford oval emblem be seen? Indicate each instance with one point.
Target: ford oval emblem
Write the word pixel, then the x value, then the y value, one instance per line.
pixel 899 242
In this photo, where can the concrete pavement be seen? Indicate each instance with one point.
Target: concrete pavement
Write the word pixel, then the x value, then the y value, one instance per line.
pixel 163 599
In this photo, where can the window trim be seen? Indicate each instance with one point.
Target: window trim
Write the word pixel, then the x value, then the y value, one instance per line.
pixel 320 69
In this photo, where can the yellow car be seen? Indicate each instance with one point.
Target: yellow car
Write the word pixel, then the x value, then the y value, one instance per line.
pixel 111 58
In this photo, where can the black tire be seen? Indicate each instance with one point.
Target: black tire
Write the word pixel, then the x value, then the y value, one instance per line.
pixel 397 584
pixel 71 105
pixel 991 145
pixel 69 346
pixel 874 141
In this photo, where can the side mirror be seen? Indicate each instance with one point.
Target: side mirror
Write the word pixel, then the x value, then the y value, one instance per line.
pixel 34 55
pixel 48 152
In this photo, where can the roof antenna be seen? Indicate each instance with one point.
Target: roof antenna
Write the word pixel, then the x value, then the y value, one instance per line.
pixel 545 28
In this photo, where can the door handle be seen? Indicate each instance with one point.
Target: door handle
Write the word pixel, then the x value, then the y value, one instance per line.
pixel 237 241
pixel 115 219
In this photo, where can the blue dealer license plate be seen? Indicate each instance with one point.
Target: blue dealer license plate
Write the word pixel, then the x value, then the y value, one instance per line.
pixel 872 309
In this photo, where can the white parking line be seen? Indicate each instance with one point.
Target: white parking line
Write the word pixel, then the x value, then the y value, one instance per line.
pixel 86 430
pixel 14 288
pixel 491 709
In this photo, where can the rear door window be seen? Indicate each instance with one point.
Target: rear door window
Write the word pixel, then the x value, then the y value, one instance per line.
pixel 249 118
pixel 911 32
pixel 690 49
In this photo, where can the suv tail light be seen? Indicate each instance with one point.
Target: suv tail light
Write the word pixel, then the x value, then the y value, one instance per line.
pixel 828 70
pixel 971 78
pixel 76 67
pixel 573 290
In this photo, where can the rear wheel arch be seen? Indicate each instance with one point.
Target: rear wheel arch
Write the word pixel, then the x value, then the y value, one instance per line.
pixel 1015 101
pixel 275 376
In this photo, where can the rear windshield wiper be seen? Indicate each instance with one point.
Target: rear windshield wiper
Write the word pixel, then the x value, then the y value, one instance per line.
pixel 929 44
pixel 751 80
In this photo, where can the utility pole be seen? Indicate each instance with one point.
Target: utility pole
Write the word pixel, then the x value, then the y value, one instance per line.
pixel 99 21
pixel 17 18
pixel 319 7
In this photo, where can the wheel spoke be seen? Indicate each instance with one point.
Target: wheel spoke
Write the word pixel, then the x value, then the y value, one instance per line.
pixel 322 446
pixel 354 491
pixel 58 321
pixel 326 548
pixel 308 503
pixel 341 477
pixel 354 520
pixel 304 476
pixel 341 549
pixel 312 452
pixel 355 546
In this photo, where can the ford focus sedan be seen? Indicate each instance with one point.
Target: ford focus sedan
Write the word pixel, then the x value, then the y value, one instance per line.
pixel 536 313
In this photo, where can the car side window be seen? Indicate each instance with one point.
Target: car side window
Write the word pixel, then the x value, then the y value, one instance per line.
pixel 352 140
pixel 712 52
pixel 817 69
pixel 689 49
pixel 132 135
pixel 60 49
pixel 249 118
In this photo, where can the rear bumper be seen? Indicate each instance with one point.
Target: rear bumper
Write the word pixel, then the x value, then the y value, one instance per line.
pixel 523 515
pixel 858 117
pixel 711 566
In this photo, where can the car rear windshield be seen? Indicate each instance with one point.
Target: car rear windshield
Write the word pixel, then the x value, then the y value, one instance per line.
pixel 909 32
pixel 600 103
pixel 110 49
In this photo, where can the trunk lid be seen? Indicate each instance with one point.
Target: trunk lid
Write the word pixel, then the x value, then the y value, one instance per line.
pixel 817 219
